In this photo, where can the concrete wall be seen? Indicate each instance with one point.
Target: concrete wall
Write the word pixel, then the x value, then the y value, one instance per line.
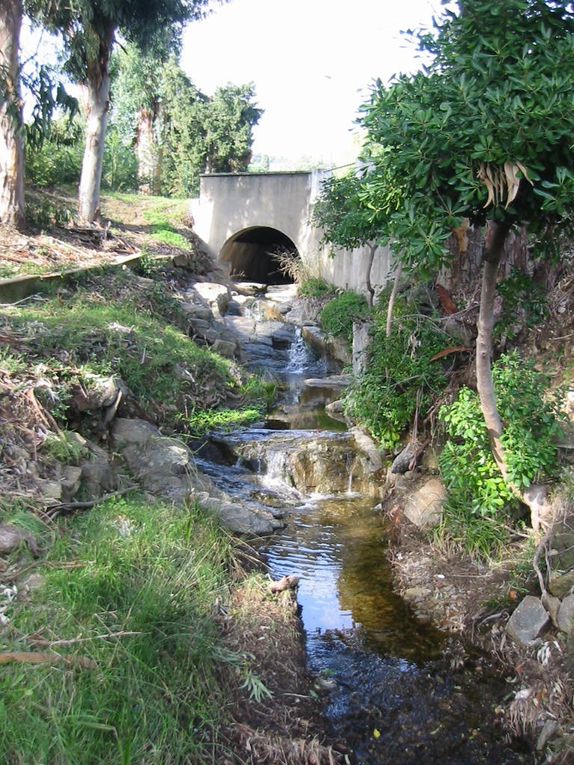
pixel 229 204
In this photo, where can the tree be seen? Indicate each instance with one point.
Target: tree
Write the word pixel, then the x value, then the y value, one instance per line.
pixel 484 132
pixel 11 121
pixel 230 117
pixel 89 29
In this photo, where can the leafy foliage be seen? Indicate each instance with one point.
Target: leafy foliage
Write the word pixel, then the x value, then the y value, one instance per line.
pixel 338 314
pixel 314 287
pixel 531 426
pixel 400 375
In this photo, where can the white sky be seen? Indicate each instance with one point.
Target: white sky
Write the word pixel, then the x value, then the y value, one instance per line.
pixel 311 61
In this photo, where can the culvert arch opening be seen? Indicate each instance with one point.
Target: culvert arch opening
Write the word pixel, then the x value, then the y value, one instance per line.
pixel 256 255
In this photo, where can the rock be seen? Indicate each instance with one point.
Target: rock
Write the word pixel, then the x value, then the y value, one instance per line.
pixel 127 432
pixel 549 729
pixel 98 475
pixel 424 507
pixel 51 489
pixel 225 348
pixel 196 311
pixel 565 618
pixel 217 296
pixel 417 593
pixel 334 381
pixel 361 341
pixel 368 447
pixel 528 621
pixel 12 537
pixel 249 289
pixel 97 392
pixel 552 605
pixel 542 509
pixel 165 467
pixel 336 410
pixel 402 462
pixel 71 480
pixel 561 585
pixel 561 553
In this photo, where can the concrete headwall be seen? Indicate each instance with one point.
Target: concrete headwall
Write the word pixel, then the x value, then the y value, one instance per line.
pixel 228 204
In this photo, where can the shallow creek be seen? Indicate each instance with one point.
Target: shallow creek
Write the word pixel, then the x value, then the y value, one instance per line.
pixel 392 691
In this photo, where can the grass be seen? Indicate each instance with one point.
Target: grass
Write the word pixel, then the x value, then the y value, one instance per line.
pixel 163 368
pixel 153 697
pixel 162 216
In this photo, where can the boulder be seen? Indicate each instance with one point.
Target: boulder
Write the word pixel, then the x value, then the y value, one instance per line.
pixel 402 462
pixel 12 537
pixel 249 289
pixel 424 506
pixel 225 348
pixel 565 618
pixel 165 467
pixel 369 449
pixel 528 621
pixel 71 480
pixel 217 296
pixel 561 585
pixel 97 392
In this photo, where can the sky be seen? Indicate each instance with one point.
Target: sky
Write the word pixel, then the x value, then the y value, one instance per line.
pixel 312 62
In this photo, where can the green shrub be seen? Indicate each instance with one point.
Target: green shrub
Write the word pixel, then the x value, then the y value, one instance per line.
pixel 400 372
pixel 315 287
pixel 531 421
pixel 338 315
pixel 481 509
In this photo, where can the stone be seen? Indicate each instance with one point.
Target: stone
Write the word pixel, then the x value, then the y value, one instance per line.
pixel 361 341
pixel 12 537
pixel 337 382
pixel 165 467
pixel 225 348
pixel 132 432
pixel 549 730
pixel 368 447
pixel 424 506
pixel 561 553
pixel 97 392
pixel 98 476
pixel 565 618
pixel 527 621
pixel 561 585
pixel 51 489
pixel 71 480
pixel 249 289
pixel 402 462
pixel 417 593
pixel 217 296
pixel 196 311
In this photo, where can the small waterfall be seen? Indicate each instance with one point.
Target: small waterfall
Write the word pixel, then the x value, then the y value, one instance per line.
pixel 299 356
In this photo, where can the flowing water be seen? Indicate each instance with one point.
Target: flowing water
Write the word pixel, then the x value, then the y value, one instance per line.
pixel 391 693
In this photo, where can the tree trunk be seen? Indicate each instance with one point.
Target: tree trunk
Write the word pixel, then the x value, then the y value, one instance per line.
pixel 494 249
pixel 370 289
pixel 11 122
pixel 147 152
pixel 392 299
pixel 96 104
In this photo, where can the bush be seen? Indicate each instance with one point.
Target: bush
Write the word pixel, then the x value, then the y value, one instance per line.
pixel 531 420
pixel 315 287
pixel 338 315
pixel 401 372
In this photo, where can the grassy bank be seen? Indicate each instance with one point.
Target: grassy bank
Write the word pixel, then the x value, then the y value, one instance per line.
pixel 126 619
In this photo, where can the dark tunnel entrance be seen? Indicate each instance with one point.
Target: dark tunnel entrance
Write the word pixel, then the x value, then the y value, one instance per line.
pixel 257 254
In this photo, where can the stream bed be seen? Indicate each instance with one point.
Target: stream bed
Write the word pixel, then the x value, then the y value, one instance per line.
pixel 396 690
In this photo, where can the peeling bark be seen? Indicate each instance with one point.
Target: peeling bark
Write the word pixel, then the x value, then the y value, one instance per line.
pixel 370 289
pixel 392 299
pixel 146 152
pixel 494 249
pixel 96 103
pixel 11 121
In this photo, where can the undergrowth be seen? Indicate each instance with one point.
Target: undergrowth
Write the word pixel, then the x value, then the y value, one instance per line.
pixel 338 314
pixel 402 377
pixel 133 587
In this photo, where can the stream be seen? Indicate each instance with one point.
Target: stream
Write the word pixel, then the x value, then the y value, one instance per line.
pixel 393 689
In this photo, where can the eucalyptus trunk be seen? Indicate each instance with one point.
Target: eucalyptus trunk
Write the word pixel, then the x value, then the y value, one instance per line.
pixel 96 98
pixel 493 252
pixel 11 121
pixel 147 152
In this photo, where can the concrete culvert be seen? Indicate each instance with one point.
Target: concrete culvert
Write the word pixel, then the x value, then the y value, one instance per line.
pixel 256 254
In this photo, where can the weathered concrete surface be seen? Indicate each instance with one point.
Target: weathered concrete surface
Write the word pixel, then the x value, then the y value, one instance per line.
pixel 229 205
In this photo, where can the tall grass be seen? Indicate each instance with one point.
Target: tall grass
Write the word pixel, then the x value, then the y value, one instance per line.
pixel 152 697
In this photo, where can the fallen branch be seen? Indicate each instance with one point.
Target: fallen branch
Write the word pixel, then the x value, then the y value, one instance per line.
pixel 73 641
pixel 70 507
pixel 31 657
